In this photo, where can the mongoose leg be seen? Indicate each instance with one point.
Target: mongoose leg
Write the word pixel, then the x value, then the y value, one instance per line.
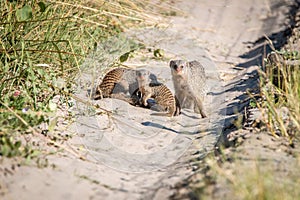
pixel 145 98
pixel 178 107
pixel 198 107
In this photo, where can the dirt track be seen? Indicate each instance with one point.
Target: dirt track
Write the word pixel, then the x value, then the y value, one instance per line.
pixel 227 35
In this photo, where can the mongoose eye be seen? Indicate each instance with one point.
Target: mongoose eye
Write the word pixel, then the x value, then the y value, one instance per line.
pixel 175 66
pixel 181 66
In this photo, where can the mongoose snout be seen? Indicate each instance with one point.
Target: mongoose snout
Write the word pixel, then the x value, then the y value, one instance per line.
pixel 142 75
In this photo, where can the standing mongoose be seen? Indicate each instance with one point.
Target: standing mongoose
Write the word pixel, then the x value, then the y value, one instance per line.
pixel 189 83
pixel 163 97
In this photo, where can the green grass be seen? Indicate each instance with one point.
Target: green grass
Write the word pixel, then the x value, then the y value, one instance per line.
pixel 280 89
pixel 43 43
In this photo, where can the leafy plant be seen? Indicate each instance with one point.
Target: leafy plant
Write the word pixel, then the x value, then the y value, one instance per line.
pixel 43 43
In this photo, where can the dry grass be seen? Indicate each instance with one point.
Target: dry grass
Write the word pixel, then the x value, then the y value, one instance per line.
pixel 250 180
pixel 280 90
pixel 43 44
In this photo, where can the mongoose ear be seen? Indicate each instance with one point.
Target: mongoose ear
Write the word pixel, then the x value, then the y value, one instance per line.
pixel 171 63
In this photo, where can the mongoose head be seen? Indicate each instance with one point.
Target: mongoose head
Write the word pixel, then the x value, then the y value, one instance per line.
pixel 142 75
pixel 178 67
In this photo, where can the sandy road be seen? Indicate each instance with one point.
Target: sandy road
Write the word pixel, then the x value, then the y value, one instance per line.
pixel 222 34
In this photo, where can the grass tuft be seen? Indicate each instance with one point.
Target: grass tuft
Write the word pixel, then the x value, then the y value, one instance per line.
pixel 230 177
pixel 280 89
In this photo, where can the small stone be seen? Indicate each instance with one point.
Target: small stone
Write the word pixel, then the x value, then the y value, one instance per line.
pixel 258 137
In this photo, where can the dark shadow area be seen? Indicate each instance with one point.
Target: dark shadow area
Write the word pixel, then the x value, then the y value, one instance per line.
pixel 156 125
pixel 261 47
pixel 250 81
pixel 227 129
pixel 251 85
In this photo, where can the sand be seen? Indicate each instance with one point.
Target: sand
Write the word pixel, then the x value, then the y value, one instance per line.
pixel 132 154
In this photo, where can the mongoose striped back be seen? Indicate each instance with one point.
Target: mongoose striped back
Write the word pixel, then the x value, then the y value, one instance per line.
pixel 107 86
pixel 163 98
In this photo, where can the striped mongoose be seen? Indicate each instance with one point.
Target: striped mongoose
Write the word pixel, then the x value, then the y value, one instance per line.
pixel 163 97
pixel 189 83
pixel 121 83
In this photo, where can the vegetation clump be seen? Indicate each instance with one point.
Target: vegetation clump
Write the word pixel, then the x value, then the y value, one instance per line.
pixel 42 45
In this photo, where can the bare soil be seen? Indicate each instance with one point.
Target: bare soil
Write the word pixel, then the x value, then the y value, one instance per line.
pixel 228 37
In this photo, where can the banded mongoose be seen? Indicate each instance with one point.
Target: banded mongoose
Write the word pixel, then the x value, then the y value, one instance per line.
pixel 121 83
pixel 163 97
pixel 117 83
pixel 189 83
